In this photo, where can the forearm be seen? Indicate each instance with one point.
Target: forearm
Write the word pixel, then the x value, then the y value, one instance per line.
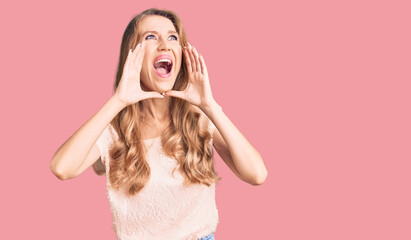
pixel 246 158
pixel 71 155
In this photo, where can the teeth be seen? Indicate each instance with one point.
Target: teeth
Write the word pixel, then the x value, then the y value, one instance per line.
pixel 164 60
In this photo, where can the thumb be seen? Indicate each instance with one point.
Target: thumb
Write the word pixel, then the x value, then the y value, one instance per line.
pixel 153 95
pixel 174 93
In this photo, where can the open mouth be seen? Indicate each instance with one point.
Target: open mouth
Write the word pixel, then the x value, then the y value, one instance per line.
pixel 163 67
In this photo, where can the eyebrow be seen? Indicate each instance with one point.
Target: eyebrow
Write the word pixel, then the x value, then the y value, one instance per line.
pixel 169 31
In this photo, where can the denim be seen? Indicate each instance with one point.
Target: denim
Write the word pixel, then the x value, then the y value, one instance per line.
pixel 208 237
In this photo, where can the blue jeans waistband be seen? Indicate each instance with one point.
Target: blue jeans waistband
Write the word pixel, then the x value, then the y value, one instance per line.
pixel 208 237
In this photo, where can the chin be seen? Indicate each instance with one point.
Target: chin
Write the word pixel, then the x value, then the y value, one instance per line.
pixel 164 87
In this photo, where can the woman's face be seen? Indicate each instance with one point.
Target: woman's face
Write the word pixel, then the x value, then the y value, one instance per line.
pixel 161 43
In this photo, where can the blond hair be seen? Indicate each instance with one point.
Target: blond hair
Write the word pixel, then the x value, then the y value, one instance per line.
pixel 183 140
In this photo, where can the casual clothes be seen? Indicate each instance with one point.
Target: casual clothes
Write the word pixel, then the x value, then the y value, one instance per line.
pixel 164 208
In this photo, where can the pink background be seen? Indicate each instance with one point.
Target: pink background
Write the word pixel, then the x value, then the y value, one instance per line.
pixel 320 88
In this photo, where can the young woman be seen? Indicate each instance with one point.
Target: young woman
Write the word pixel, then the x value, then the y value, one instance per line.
pixel 154 137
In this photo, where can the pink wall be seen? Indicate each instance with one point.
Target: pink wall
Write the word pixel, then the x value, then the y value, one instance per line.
pixel 321 89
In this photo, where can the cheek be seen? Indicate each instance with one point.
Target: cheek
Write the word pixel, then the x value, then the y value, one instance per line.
pixel 146 60
pixel 148 53
pixel 179 59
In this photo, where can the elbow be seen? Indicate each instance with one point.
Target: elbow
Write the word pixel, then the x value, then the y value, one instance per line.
pixel 260 178
pixel 58 172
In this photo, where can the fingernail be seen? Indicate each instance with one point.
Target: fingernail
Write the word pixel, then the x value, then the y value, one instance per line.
pixel 189 44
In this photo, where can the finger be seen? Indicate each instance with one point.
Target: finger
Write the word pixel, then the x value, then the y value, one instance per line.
pixel 135 53
pixel 153 95
pixel 203 66
pixel 128 60
pixel 133 56
pixel 137 46
pixel 188 61
pixel 192 59
pixel 198 67
pixel 140 57
pixel 178 94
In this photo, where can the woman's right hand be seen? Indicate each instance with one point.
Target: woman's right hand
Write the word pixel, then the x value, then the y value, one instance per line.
pixel 129 90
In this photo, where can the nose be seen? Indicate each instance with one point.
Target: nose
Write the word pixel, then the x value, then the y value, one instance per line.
pixel 163 45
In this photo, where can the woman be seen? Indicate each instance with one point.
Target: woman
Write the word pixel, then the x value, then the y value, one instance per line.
pixel 155 137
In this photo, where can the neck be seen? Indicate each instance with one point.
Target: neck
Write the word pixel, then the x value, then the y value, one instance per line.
pixel 156 109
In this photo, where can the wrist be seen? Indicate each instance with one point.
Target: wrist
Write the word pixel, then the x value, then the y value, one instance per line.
pixel 210 107
pixel 118 102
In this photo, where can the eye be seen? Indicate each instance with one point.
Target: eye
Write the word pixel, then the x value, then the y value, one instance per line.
pixel 174 37
pixel 152 35
pixel 149 36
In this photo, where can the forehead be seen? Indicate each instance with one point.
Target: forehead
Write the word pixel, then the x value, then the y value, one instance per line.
pixel 156 23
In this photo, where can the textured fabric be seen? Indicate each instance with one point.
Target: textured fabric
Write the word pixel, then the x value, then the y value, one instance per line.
pixel 164 209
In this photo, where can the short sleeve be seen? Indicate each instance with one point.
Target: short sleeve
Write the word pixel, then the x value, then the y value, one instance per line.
pixel 104 142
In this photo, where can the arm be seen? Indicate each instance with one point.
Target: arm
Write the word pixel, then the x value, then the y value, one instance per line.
pixel 71 156
pixel 239 155
pixel 80 151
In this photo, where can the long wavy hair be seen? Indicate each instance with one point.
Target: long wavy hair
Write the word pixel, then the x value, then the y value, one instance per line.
pixel 183 139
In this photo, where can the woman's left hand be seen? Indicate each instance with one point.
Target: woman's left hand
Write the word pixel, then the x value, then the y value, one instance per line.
pixel 198 91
